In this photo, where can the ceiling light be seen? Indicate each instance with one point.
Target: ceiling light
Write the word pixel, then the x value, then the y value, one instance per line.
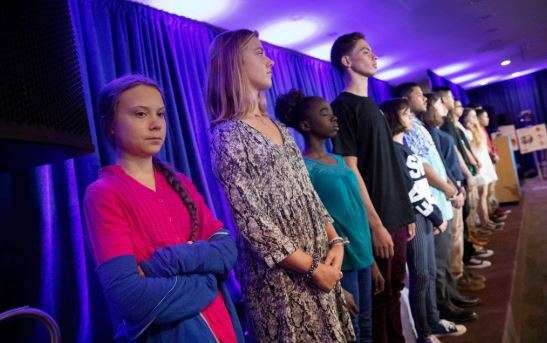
pixel 505 62
pixel 201 10
pixel 321 51
pixel 451 68
pixel 385 61
pixel 466 77
pixel 289 32
pixel 391 74
pixel 483 81
pixel 522 73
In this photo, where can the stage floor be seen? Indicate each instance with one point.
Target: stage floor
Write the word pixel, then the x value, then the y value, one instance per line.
pixel 514 301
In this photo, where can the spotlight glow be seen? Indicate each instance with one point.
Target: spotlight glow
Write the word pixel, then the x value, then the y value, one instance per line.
pixel 521 73
pixel 451 68
pixel 483 81
pixel 392 74
pixel 201 10
pixel 466 77
pixel 385 61
pixel 321 51
pixel 289 32
pixel 505 63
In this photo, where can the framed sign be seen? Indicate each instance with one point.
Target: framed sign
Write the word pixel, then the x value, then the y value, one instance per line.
pixel 532 138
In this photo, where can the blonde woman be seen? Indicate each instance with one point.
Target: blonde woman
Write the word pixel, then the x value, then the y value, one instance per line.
pixel 289 254
pixel 486 173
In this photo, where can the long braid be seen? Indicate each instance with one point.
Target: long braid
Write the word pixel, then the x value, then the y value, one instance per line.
pixel 183 194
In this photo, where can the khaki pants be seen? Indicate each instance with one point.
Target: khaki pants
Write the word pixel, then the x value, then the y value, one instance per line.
pixel 491 199
pixel 473 197
pixel 456 265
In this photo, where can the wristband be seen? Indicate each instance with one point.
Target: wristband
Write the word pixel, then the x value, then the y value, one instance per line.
pixel 313 267
pixel 338 241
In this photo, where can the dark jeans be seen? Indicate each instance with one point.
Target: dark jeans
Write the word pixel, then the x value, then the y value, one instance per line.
pixel 359 284
pixel 386 306
pixel 443 246
pixel 422 275
pixel 468 248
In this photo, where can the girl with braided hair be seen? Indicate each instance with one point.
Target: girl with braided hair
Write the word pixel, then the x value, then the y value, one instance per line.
pixel 162 256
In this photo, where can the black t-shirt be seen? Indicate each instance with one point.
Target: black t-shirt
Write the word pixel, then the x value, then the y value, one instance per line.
pixel 365 134
pixel 460 140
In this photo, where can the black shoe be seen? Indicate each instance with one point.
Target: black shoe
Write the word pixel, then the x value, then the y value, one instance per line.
pixel 456 314
pixel 464 301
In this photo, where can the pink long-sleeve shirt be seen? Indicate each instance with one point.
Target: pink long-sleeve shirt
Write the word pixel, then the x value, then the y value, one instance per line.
pixel 127 218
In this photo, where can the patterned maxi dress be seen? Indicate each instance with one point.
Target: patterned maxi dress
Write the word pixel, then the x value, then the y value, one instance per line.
pixel 277 211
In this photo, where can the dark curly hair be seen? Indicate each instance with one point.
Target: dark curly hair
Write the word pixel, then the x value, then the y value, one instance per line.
pixel 292 108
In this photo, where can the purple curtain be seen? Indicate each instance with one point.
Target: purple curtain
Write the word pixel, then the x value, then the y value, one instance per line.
pixel 44 257
pixel 508 98
pixel 437 81
pixel 505 100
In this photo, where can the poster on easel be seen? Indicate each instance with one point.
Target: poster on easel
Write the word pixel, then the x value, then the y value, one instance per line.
pixel 510 132
pixel 532 138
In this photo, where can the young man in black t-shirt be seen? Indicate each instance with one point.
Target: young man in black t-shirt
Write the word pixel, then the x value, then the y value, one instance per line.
pixel 364 139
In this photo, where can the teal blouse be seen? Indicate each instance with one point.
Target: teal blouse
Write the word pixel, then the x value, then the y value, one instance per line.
pixel 338 189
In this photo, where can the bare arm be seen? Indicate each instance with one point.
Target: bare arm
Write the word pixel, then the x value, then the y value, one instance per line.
pixel 298 261
pixel 434 180
pixel 463 166
pixel 381 239
pixel 373 216
pixel 331 232
pixel 472 157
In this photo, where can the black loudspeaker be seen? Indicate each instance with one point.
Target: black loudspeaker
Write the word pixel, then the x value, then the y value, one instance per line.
pixel 42 109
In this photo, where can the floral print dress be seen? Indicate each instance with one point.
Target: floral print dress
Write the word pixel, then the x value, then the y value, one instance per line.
pixel 277 211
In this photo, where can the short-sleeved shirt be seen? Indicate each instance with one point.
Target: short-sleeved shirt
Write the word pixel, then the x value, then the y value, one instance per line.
pixel 338 189
pixel 459 139
pixel 421 143
pixel 365 134
pixel 445 146
pixel 448 150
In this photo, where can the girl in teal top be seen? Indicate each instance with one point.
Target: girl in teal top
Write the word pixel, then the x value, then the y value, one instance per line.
pixel 337 186
pixel 338 189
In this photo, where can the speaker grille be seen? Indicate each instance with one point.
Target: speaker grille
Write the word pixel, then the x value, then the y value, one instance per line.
pixel 41 90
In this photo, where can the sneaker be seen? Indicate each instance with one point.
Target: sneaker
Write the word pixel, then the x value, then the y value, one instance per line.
pixel 502 211
pixel 498 218
pixel 494 226
pixel 484 231
pixel 465 283
pixel 474 275
pixel 478 264
pixel 483 253
pixel 446 328
pixel 428 339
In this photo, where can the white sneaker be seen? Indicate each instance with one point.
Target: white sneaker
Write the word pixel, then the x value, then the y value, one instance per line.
pixel 485 254
pixel 475 263
pixel 448 328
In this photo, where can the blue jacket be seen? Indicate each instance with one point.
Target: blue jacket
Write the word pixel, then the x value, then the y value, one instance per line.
pixel 166 305
pixel 446 147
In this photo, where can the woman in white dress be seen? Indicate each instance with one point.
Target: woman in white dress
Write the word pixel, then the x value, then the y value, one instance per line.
pixel 486 173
